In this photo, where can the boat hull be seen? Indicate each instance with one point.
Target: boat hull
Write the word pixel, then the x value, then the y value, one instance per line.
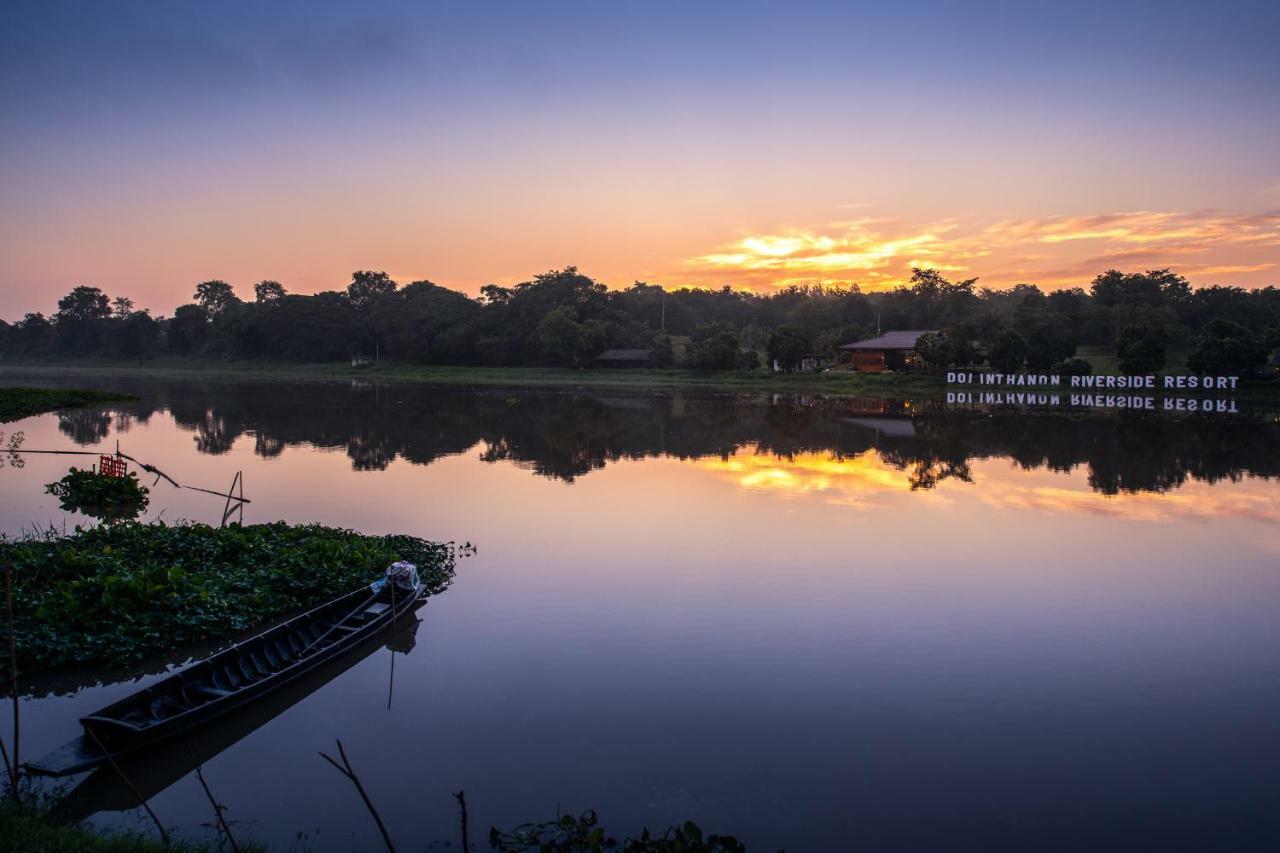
pixel 229 679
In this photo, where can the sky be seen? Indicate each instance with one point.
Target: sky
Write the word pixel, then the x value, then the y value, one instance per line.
pixel 145 147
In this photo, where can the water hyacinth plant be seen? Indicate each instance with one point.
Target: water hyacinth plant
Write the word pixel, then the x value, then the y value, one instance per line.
pixel 122 592
pixel 108 499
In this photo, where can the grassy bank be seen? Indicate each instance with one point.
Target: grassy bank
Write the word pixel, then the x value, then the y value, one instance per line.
pixel 18 403
pixel 115 594
pixel 545 377
pixel 914 386
pixel 32 830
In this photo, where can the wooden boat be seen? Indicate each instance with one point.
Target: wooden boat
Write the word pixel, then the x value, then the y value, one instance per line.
pixel 230 678
pixel 152 770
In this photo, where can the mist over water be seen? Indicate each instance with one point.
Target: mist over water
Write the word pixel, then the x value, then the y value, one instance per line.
pixel 813 623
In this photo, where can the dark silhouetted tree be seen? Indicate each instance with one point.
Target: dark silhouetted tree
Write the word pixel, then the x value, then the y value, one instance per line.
pixel 1007 352
pixel 215 296
pixel 1227 348
pixel 1140 350
pixel 367 286
pixel 788 345
pixel 268 291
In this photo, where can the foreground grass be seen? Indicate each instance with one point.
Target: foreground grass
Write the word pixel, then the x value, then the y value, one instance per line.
pixel 115 594
pixel 18 403
pixel 851 384
pixel 32 830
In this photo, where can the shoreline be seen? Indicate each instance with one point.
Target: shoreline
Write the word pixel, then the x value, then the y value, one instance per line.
pixel 839 384
pixel 842 384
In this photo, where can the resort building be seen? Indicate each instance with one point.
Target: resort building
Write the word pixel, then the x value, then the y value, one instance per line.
pixel 893 350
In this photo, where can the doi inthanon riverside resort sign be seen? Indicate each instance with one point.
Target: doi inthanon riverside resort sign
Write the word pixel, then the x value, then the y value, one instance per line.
pixel 1041 389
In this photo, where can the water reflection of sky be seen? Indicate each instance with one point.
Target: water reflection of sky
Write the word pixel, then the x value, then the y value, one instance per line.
pixel 867 482
pixel 799 647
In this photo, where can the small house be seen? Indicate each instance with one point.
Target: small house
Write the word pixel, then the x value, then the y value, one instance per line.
pixel 893 350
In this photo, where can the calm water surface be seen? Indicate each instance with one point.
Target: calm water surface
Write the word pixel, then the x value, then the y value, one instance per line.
pixel 818 624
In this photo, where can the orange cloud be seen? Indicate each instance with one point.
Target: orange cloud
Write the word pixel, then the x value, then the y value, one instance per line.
pixel 1051 251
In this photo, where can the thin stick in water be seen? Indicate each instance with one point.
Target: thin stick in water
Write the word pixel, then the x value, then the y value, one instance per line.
pixel 461 797
pixel 142 801
pixel 218 809
pixel 346 769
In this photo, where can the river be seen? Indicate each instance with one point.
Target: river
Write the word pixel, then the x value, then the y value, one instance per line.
pixel 819 624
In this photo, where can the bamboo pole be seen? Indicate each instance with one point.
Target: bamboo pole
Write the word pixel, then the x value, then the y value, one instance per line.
pixel 13 676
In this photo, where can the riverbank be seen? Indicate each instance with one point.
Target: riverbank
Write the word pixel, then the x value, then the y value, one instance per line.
pixel 30 829
pixel 847 384
pixel 19 403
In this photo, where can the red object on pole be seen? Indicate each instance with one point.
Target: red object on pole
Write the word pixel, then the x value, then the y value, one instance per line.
pixel 111 466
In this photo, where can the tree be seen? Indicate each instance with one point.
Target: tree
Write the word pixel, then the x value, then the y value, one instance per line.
pixel 1140 350
pixel 122 306
pixel 663 353
pixel 268 291
pixel 942 350
pixel 83 304
pixel 1008 352
pixel 215 296
pixel 1048 344
pixel 1072 367
pixel 33 334
pixel 425 322
pixel 1227 348
pixel 136 335
pixel 788 345
pixel 367 286
pixel 188 330
pixel 567 342
pixel 713 347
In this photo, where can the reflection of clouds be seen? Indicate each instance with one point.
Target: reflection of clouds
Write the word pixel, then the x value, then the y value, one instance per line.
pixel 852 480
pixel 1194 501
pixel 866 481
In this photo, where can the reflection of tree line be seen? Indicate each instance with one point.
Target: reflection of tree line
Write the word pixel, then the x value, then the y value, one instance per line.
pixel 565 435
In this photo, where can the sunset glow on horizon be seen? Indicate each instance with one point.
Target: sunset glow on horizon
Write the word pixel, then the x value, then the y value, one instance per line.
pixel 148 147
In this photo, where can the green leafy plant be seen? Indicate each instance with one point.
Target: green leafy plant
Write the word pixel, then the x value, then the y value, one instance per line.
pixel 119 593
pixel 109 499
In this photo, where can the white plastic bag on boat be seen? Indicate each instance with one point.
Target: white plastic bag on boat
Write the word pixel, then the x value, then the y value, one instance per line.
pixel 403 574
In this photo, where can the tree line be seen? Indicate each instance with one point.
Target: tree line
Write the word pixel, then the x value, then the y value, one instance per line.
pixel 565 318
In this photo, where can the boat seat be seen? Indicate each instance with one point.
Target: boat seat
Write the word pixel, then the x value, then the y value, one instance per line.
pixel 227 678
pixel 284 650
pixel 208 693
pixel 167 706
pixel 246 669
pixel 220 680
pixel 263 661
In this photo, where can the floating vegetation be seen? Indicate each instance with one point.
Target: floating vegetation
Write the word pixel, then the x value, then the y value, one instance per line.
pixel 583 834
pixel 106 498
pixel 18 403
pixel 119 593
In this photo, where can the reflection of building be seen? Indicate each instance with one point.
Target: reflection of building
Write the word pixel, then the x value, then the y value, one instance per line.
pixel 894 350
